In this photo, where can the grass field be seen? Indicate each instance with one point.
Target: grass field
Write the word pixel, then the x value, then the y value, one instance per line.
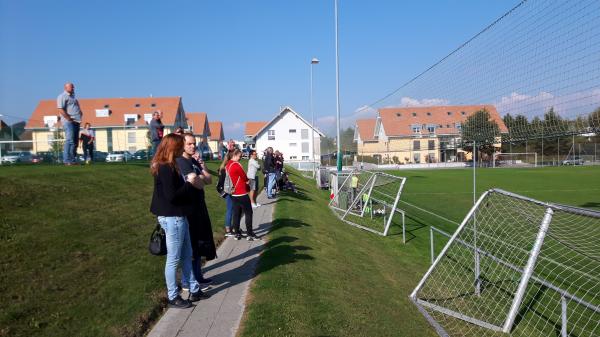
pixel 321 277
pixel 73 250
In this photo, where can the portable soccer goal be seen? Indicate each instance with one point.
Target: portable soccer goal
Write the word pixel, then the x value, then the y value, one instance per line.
pixel 516 266
pixel 368 200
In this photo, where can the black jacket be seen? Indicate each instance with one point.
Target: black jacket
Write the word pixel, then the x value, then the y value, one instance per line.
pixel 269 165
pixel 171 194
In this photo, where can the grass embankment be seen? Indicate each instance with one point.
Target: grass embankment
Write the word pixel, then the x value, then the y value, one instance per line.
pixel 73 250
pixel 320 277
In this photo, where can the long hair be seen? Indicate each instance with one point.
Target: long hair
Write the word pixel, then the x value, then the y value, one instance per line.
pixel 226 160
pixel 170 147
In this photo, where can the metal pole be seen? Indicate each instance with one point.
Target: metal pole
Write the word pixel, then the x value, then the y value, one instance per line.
pixel 312 113
pixel 558 151
pixel 337 91
pixel 563 311
pixel 474 173
pixel 431 244
pixel 528 271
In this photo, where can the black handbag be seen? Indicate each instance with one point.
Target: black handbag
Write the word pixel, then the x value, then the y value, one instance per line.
pixel 158 241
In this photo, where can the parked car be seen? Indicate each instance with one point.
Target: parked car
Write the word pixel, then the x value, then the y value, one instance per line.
pixel 100 156
pixel 36 159
pixel 118 156
pixel 573 161
pixel 50 157
pixel 17 157
pixel 142 155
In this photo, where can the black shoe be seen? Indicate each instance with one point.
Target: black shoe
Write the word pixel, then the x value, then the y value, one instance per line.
pixel 195 297
pixel 205 280
pixel 252 238
pixel 179 303
pixel 238 236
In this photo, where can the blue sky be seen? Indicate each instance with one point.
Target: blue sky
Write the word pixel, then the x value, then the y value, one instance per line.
pixel 236 60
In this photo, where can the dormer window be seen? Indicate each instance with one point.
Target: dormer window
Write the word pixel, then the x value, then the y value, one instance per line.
pixel 429 114
pixel 147 118
pixel 416 128
pixel 398 114
pixel 130 119
pixel 448 126
pixel 153 105
pixel 414 114
pixel 463 113
pixel 49 121
pixel 137 105
pixel 106 106
pixel 103 112
pixel 457 125
pixel 449 113
pixel 431 128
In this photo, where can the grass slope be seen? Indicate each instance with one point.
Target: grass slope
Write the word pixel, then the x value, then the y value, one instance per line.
pixel 321 277
pixel 73 250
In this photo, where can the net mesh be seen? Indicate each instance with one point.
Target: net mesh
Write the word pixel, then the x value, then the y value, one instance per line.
pixel 516 160
pixel 471 290
pixel 368 200
pixel 538 65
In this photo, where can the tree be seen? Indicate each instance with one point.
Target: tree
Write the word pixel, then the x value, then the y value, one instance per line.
pixel 481 130
pixel 594 120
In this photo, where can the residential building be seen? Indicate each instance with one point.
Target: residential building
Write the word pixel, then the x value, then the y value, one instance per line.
pixel 215 138
pixel 287 132
pixel 417 134
pixel 121 124
pixel 198 125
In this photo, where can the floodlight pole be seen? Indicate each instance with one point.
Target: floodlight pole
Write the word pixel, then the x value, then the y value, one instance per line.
pixel 337 91
pixel 312 113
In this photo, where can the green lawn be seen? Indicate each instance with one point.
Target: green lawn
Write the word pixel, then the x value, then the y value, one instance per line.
pixel 73 250
pixel 321 277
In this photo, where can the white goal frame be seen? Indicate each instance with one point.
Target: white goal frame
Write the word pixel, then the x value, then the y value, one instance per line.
pixel 535 157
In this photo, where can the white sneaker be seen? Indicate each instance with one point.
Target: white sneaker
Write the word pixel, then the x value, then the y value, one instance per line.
pixel 255 205
pixel 258 205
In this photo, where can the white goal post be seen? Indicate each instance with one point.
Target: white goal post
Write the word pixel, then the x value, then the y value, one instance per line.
pixel 523 159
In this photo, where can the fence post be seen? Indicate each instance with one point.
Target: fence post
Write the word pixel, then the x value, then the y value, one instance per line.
pixel 528 271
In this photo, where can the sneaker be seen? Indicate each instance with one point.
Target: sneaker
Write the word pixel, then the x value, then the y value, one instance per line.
pixel 258 205
pixel 195 297
pixel 204 287
pixel 253 238
pixel 254 206
pixel 228 234
pixel 238 236
pixel 179 303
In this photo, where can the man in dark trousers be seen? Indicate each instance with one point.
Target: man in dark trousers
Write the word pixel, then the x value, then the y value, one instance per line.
pixel 157 130
pixel 269 170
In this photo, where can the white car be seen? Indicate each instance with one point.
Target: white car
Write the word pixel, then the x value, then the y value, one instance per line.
pixel 118 156
pixel 17 157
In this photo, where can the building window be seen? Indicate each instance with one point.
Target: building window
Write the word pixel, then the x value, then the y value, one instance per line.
pixel 417 158
pixel 398 114
pixel 153 105
pixel 414 114
pixel 431 145
pixel 106 106
pixel 431 128
pixel 431 158
pixel 147 118
pixel 130 119
pixel 429 114
pixel 131 137
pixel 271 135
pixel 292 131
pixel 457 125
pixel 463 113
pixel 50 121
pixel 449 113
pixel 50 138
pixel 448 126
pixel 304 133
pixel 416 144
pixel 137 105
pixel 293 157
pixel 132 149
pixel 416 129
pixel 293 144
pixel 305 147
pixel 305 157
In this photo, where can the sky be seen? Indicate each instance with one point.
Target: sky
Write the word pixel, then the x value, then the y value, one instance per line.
pixel 237 61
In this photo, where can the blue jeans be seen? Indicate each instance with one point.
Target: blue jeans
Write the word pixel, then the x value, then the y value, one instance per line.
pixel 229 211
pixel 271 184
pixel 154 146
pixel 179 248
pixel 71 141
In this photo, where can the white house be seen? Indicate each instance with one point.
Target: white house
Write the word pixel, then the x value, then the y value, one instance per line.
pixel 287 132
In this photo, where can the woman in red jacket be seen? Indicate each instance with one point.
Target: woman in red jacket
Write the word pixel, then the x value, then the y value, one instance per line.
pixel 239 196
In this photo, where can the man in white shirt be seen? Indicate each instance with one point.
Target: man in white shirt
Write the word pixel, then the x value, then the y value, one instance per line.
pixel 253 167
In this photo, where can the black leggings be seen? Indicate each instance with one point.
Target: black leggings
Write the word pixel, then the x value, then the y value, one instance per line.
pixel 242 203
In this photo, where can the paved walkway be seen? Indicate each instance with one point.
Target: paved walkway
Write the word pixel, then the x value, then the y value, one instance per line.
pixel 232 273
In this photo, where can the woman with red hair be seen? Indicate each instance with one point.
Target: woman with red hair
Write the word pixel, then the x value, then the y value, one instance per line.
pixel 170 203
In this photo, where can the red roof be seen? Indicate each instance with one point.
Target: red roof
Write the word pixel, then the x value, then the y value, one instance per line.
pixel 253 127
pixel 197 120
pixel 399 121
pixel 118 107
pixel 366 129
pixel 216 131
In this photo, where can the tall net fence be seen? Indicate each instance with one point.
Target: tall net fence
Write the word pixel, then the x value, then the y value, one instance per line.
pixel 369 200
pixel 538 65
pixel 518 266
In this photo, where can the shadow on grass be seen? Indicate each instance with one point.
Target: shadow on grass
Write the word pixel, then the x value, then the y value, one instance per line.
pixel 591 204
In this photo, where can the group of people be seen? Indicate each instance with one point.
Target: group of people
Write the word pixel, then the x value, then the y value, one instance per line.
pixel 276 179
pixel 71 115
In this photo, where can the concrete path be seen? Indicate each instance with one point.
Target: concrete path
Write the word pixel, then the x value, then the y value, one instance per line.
pixel 232 273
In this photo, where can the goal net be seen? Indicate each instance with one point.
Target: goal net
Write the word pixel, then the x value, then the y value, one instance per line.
pixel 528 159
pixel 369 200
pixel 519 266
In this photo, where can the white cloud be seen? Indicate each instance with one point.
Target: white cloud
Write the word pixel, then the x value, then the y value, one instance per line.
pixel 232 128
pixel 568 105
pixel 413 102
pixel 327 124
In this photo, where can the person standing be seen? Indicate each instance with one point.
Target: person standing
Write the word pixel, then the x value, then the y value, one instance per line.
pixel 269 170
pixel 157 130
pixel 87 139
pixel 170 203
pixel 71 114
pixel 253 167
pixel 224 195
pixel 241 200
pixel 198 218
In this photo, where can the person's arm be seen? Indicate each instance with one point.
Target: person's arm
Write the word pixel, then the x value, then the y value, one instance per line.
pixel 167 178
pixel 61 104
pixel 221 181
pixel 92 137
pixel 207 177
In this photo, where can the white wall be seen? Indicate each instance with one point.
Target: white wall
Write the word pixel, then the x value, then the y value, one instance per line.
pixel 284 139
